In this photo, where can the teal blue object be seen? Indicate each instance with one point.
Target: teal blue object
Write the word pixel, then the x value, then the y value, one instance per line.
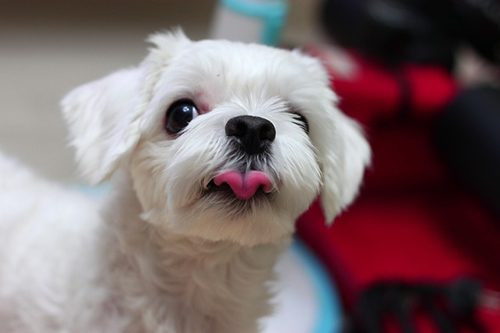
pixel 92 191
pixel 273 13
pixel 329 318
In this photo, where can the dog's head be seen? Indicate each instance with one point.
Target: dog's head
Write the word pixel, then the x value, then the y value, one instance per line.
pixel 222 140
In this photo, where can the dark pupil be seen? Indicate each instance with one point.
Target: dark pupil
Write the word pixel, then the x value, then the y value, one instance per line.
pixel 179 117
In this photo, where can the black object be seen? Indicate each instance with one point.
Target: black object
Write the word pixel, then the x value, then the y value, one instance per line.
pixel 450 306
pixel 480 26
pixel 253 133
pixel 419 31
pixel 467 135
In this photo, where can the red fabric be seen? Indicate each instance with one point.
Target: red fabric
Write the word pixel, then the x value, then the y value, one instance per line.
pixel 373 92
pixel 412 222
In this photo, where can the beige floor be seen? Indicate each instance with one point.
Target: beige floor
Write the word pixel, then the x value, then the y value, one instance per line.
pixel 49 47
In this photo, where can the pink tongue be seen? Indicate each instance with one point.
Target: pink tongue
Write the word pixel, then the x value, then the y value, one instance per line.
pixel 244 186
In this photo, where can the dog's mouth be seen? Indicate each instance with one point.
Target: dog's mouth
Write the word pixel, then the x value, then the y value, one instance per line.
pixel 242 186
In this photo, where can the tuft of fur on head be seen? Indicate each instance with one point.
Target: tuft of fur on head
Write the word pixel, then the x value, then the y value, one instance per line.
pixel 118 122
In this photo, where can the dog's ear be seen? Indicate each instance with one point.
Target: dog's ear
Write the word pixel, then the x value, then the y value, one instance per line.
pixel 342 148
pixel 344 159
pixel 104 116
pixel 102 122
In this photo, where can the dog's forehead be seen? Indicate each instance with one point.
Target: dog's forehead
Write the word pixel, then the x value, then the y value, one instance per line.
pixel 221 69
pixel 240 60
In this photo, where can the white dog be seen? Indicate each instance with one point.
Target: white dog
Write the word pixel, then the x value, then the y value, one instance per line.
pixel 215 149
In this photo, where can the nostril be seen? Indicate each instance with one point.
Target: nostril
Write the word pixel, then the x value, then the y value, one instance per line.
pixel 236 127
pixel 267 132
pixel 253 133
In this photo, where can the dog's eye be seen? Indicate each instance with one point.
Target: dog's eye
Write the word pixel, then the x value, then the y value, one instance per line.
pixel 179 115
pixel 301 121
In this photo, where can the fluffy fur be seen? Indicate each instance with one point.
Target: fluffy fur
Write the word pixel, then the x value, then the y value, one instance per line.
pixel 162 254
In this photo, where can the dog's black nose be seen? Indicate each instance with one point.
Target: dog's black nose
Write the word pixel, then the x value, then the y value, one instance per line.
pixel 254 133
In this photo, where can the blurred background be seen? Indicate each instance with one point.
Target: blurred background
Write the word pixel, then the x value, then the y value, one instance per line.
pixel 418 251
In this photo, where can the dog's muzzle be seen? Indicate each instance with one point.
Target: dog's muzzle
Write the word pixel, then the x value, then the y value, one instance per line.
pixel 254 134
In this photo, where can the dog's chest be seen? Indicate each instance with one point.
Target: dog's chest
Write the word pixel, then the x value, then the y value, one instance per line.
pixel 209 289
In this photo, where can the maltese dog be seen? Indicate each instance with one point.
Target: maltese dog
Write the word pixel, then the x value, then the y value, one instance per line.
pixel 214 148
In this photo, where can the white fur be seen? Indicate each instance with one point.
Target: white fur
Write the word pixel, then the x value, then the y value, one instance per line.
pixel 159 255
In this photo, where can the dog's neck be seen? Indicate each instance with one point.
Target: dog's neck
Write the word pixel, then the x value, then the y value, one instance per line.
pixel 186 284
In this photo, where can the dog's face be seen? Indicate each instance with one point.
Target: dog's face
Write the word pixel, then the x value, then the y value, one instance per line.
pixel 222 140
